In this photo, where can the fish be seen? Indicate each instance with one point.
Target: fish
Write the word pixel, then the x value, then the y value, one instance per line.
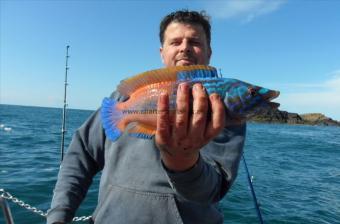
pixel 241 99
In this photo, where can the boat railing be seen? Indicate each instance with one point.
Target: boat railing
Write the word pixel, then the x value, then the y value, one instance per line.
pixel 4 196
pixel 6 210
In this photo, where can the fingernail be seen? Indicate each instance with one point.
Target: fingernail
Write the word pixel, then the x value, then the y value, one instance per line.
pixel 198 87
pixel 163 97
pixel 215 97
pixel 183 87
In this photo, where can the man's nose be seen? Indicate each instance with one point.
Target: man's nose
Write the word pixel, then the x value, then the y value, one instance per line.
pixel 185 46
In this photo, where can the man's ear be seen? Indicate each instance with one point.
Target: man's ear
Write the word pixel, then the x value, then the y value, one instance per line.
pixel 161 54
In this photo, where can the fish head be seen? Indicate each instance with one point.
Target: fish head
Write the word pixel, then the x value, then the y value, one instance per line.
pixel 247 100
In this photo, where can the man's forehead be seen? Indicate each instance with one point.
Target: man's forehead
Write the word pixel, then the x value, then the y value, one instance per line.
pixel 176 28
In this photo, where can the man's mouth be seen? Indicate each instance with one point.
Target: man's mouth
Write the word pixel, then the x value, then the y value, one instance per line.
pixel 185 61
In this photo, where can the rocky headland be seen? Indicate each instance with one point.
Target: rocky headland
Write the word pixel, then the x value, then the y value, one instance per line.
pixel 284 117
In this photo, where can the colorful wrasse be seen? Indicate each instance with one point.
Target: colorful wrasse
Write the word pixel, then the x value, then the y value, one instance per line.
pixel 240 98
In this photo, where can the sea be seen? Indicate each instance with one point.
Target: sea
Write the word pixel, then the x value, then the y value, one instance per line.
pixel 295 169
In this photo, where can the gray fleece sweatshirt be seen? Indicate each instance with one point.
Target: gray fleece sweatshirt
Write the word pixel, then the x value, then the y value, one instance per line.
pixel 135 187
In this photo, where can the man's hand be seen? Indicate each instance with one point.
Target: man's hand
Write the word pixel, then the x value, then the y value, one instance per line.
pixel 180 142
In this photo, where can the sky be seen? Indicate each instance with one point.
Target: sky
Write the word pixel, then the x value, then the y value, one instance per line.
pixel 286 45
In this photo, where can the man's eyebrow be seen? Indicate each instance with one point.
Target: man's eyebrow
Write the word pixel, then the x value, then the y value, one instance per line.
pixel 196 37
pixel 178 38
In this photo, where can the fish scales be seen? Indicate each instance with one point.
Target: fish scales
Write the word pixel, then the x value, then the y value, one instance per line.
pixel 241 99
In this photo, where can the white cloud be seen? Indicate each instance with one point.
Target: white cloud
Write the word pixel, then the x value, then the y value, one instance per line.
pixel 334 83
pixel 321 97
pixel 245 10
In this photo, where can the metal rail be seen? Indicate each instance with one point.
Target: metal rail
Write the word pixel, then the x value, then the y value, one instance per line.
pixel 6 210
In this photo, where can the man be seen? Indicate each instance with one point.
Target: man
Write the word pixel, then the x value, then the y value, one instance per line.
pixel 177 177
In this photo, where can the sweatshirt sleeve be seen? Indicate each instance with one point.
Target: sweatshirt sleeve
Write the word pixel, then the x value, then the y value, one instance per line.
pixel 83 160
pixel 215 171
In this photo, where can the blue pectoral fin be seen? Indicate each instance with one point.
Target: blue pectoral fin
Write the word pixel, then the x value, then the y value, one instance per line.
pixel 142 131
pixel 110 117
pixel 141 135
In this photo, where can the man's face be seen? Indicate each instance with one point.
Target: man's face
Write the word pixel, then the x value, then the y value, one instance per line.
pixel 185 44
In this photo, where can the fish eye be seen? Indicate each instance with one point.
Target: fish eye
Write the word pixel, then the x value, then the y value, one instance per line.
pixel 252 91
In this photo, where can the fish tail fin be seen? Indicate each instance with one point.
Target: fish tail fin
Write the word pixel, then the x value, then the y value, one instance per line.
pixel 111 116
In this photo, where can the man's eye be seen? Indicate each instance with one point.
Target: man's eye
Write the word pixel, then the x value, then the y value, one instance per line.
pixel 195 42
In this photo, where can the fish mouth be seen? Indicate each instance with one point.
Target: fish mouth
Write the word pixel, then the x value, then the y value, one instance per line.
pixel 274 105
pixel 272 94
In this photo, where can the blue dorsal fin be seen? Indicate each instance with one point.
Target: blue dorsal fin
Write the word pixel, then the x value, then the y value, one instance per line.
pixel 197 74
pixel 171 74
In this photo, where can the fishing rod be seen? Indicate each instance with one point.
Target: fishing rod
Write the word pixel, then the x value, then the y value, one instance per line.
pixel 63 128
pixel 257 206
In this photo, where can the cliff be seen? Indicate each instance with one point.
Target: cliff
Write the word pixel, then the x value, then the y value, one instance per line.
pixel 284 117
pixel 317 119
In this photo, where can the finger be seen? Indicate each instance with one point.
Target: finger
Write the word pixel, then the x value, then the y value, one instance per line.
pixel 217 122
pixel 200 108
pixel 182 110
pixel 163 127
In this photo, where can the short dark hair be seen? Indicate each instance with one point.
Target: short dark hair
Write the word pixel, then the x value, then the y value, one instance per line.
pixel 189 17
